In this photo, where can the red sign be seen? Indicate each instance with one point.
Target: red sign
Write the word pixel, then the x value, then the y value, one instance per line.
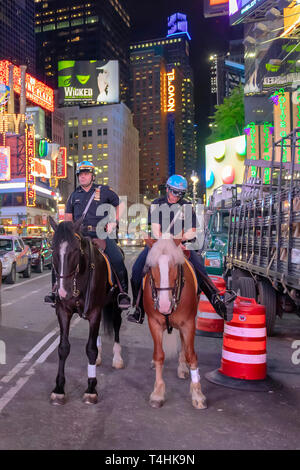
pixel 30 155
pixel 60 164
pixel 36 91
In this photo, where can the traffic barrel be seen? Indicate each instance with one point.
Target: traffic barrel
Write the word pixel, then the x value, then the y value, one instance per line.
pixel 208 322
pixel 244 356
pixel 244 342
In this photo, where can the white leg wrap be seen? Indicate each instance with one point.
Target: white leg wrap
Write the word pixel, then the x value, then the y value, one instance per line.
pixel 91 371
pixel 99 342
pixel 195 376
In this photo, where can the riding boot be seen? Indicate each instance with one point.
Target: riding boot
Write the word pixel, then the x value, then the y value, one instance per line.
pixel 138 314
pixel 51 297
pixel 213 295
pixel 124 301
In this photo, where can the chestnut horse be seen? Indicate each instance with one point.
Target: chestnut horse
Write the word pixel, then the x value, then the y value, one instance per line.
pixel 170 300
pixel 82 286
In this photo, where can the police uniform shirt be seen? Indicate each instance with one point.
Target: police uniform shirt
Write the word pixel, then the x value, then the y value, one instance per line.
pixel 79 199
pixel 161 213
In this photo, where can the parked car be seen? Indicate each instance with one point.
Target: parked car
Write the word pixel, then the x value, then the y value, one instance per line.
pixel 15 257
pixel 41 252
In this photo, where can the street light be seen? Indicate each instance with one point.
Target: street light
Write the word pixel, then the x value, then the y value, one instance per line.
pixel 195 179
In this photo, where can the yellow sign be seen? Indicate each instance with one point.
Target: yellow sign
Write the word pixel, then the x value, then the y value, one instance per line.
pixel 171 92
pixel 11 122
pixel 291 18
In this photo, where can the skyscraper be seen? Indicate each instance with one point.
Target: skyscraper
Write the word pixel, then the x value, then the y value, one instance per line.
pixel 76 30
pixel 17 40
pixel 163 106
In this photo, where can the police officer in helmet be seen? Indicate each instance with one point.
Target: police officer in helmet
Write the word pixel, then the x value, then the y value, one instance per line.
pixel 75 208
pixel 176 188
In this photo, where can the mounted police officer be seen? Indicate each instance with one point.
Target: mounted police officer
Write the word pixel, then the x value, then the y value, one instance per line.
pixel 84 202
pixel 163 220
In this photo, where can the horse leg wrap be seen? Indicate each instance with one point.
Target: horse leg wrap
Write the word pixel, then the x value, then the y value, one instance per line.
pixel 91 371
pixel 195 376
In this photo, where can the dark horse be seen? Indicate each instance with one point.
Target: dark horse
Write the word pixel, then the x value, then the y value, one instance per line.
pixel 82 286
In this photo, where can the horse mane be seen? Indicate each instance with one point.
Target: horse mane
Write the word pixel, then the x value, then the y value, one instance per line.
pixel 63 233
pixel 165 247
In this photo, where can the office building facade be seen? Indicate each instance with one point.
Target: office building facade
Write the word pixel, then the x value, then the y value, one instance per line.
pixel 75 30
pixel 17 38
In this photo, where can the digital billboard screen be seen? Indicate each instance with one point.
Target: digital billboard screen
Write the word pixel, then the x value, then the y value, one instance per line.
pixel 239 9
pixel 92 81
pixel 215 8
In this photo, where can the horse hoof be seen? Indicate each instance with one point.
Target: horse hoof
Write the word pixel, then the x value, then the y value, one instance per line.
pixel 90 399
pixel 183 375
pixel 156 403
pixel 200 404
pixel 57 399
pixel 118 364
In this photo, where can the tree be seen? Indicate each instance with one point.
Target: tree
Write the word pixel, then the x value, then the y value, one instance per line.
pixel 229 118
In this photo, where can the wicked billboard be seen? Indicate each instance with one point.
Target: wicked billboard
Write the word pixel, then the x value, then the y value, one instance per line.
pixel 88 81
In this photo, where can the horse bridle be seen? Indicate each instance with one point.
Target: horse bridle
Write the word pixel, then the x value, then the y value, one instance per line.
pixel 74 273
pixel 176 289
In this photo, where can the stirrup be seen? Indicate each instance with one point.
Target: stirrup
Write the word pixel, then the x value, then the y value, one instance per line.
pixel 137 316
pixel 125 297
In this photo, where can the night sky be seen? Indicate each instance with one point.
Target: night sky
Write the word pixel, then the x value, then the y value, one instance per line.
pixel 149 21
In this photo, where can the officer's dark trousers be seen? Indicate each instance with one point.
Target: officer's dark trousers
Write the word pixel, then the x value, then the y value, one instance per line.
pixel 115 256
pixel 205 284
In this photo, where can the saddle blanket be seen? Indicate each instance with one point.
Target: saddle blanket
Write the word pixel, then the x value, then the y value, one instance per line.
pixel 191 268
pixel 109 270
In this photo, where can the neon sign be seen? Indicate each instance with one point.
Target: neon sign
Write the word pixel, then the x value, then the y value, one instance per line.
pixel 253 145
pixel 36 91
pixel 4 163
pixel 30 157
pixel 171 92
pixel 266 141
pixel 14 120
pixel 61 163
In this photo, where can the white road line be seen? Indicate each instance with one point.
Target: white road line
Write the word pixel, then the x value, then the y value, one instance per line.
pixel 25 282
pixel 11 393
pixel 23 297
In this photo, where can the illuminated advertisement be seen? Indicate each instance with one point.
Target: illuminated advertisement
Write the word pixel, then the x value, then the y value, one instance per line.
pixel 296 119
pixel 215 8
pixel 4 163
pixel 11 122
pixel 91 81
pixel 177 24
pixel 266 141
pixel 291 18
pixel 239 9
pixel 60 163
pixel 36 91
pixel 253 150
pixel 171 91
pixel 30 156
pixel 282 124
pixel 224 162
pixel 41 168
pixel 4 94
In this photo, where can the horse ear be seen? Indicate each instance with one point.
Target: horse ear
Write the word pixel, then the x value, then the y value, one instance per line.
pixel 77 224
pixel 150 242
pixel 53 224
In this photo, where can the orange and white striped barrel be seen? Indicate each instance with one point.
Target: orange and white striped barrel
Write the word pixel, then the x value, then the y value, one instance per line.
pixel 244 342
pixel 208 322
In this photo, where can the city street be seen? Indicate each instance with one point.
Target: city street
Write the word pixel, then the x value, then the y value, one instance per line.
pixel 123 418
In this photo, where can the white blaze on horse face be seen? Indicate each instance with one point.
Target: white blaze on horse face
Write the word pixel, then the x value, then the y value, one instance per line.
pixel 62 251
pixel 164 299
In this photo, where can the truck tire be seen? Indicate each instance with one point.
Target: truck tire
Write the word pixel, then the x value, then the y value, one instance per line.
pixel 12 277
pixel 236 275
pixel 27 272
pixel 40 267
pixel 267 296
pixel 247 287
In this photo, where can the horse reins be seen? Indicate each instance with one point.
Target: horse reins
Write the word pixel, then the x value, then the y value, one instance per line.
pixel 176 289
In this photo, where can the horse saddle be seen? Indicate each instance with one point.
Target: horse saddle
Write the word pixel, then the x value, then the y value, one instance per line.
pixel 101 245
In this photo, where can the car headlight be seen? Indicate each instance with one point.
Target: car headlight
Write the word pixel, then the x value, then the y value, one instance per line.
pixel 124 242
pixel 6 259
pixel 134 242
pixel 214 263
pixel 34 255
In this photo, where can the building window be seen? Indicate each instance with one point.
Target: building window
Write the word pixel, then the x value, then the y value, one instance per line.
pixel 83 133
pixel 104 131
pixel 90 133
pixel 99 132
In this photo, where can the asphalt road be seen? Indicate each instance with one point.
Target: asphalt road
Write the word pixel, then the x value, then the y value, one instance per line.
pixel 123 419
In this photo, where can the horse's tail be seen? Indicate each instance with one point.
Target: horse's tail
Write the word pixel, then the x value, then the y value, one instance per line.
pixel 171 343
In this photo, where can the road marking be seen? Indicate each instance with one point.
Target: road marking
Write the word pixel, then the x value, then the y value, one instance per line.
pixel 11 393
pixel 25 282
pixel 23 297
